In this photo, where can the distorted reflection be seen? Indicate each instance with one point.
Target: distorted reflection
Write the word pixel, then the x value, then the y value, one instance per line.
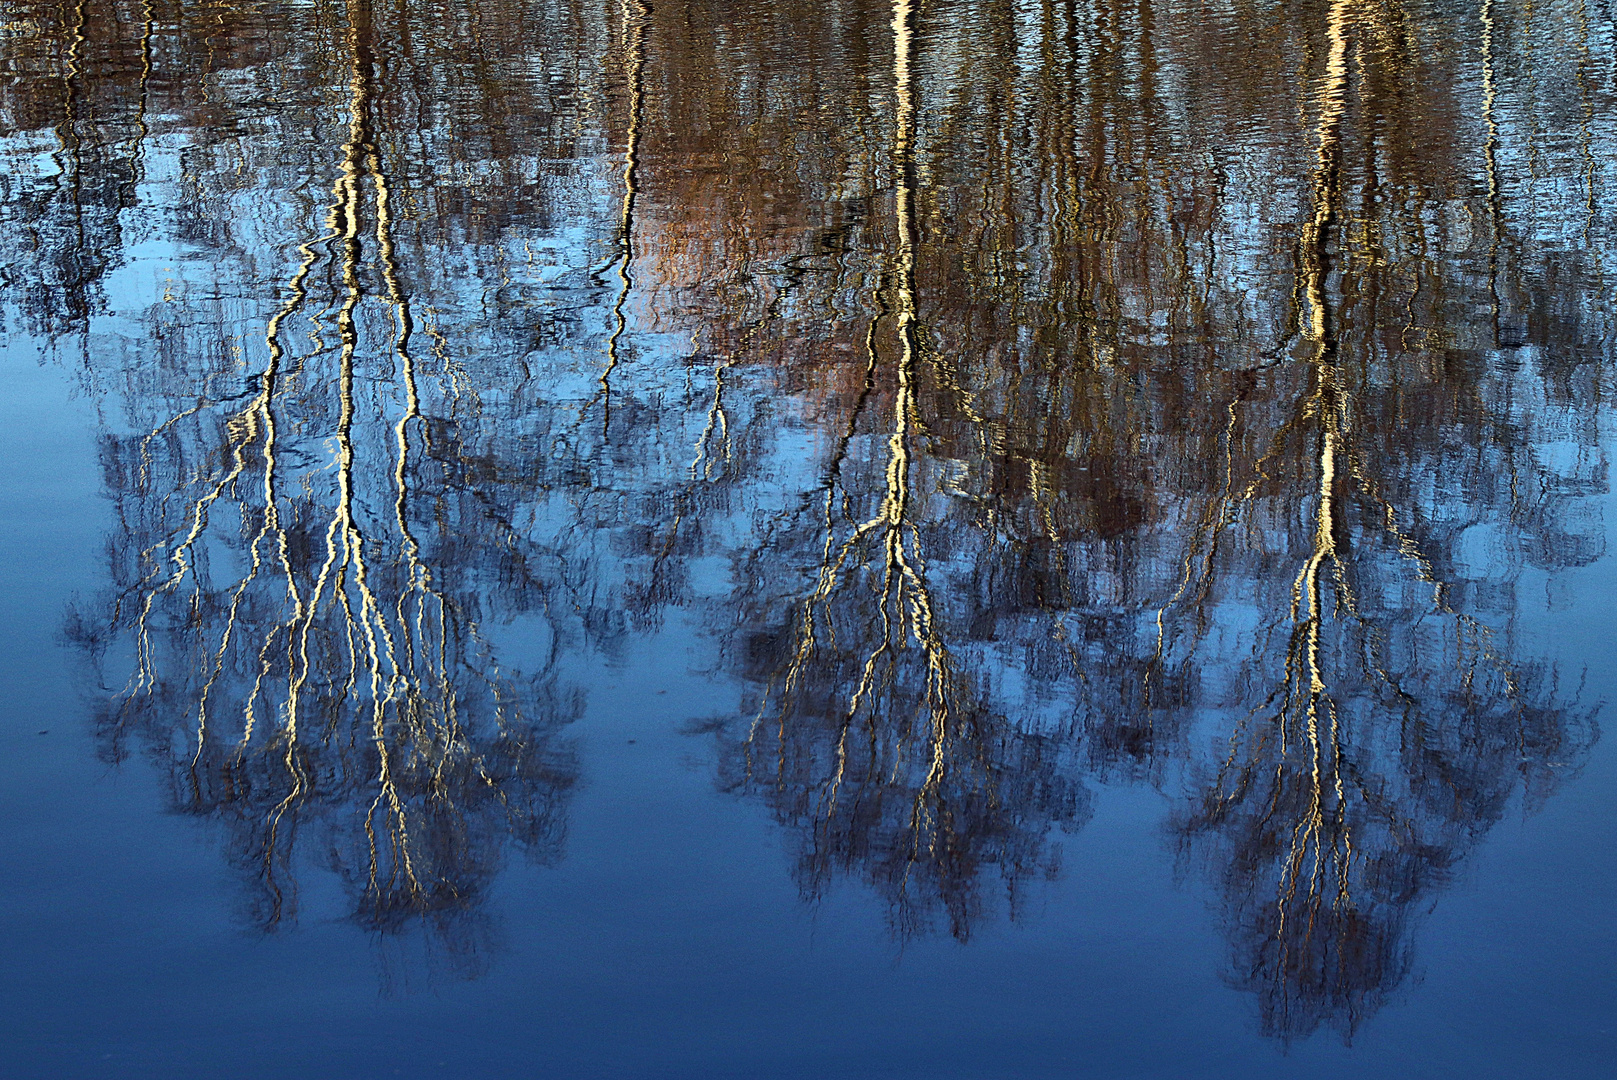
pixel 1024 397
pixel 306 567
pixel 1383 724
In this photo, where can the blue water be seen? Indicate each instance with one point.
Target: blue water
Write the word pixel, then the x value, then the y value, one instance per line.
pixel 639 273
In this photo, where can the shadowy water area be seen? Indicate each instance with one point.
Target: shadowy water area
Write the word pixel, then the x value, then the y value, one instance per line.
pixel 868 538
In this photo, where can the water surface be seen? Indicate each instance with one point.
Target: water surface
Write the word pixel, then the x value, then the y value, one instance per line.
pixel 855 539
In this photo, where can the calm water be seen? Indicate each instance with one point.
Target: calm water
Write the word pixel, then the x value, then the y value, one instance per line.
pixel 669 538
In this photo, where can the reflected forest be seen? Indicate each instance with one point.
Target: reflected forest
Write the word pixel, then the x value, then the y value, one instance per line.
pixel 1014 400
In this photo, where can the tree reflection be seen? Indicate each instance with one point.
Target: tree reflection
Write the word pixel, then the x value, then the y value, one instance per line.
pixel 1389 727
pixel 1022 397
pixel 304 575
pixel 1145 501
pixel 872 739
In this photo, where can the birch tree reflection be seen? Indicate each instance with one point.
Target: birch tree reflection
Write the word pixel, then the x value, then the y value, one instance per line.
pixel 1124 478
pixel 871 737
pixel 305 577
pixel 1380 724
pixel 1018 398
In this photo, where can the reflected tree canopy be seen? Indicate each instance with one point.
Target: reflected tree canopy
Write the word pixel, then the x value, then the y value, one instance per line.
pixel 1025 398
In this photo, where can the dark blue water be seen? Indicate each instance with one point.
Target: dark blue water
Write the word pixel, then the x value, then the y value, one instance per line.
pixel 842 540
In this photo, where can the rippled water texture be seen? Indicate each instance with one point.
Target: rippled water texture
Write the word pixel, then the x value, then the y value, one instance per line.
pixel 864 538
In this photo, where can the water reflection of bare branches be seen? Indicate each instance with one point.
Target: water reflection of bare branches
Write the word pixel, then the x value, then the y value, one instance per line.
pixel 303 582
pixel 1020 398
pixel 1147 499
pixel 1383 728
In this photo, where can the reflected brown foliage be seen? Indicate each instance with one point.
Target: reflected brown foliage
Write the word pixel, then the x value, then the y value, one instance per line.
pixel 1141 450
pixel 1025 397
